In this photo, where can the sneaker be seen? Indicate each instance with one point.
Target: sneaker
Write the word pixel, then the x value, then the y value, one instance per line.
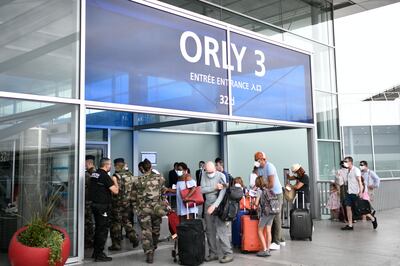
pixel 347 228
pixel 375 223
pixel 264 253
pixel 226 259
pixel 211 258
pixel 282 244
pixel 275 246
pixel 102 257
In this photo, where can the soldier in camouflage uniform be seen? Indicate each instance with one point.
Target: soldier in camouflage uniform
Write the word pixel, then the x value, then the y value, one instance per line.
pixel 122 207
pixel 147 193
pixel 89 225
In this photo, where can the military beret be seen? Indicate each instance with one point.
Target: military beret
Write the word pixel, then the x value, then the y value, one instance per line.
pixel 90 157
pixel 119 160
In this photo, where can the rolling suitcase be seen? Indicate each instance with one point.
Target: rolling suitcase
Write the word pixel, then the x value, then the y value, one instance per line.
pixel 237 228
pixel 301 225
pixel 250 240
pixel 191 242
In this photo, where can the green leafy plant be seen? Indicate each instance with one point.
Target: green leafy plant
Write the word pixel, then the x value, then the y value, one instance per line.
pixel 39 232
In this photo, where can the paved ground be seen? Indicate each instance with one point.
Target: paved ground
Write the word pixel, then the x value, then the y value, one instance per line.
pixel 330 246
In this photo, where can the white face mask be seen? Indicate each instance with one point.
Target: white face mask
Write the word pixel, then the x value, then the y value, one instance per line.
pixel 362 167
pixel 211 175
pixel 179 173
pixel 295 174
pixel 257 164
pixel 346 165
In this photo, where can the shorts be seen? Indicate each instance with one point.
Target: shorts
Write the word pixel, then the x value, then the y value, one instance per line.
pixel 266 220
pixel 350 199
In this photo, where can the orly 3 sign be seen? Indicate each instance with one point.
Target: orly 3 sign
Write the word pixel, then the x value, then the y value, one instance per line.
pixel 140 55
pixel 212 49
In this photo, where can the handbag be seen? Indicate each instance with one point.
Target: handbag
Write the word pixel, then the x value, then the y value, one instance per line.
pixel 362 207
pixel 289 194
pixel 193 196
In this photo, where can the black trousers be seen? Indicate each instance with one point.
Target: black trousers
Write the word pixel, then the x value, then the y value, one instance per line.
pixel 101 213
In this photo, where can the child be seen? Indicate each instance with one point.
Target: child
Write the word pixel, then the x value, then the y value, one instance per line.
pixel 334 201
pixel 266 219
pixel 238 182
pixel 370 216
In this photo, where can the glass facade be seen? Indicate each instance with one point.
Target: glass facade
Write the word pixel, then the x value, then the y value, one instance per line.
pixel 378 145
pixel 38 48
pixel 40 145
pixel 39 140
pixel 38 156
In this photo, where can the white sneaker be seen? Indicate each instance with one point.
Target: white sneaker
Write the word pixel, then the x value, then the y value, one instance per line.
pixel 283 244
pixel 275 246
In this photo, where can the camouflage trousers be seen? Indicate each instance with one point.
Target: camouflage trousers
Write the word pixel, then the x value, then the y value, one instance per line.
pixel 121 214
pixel 89 225
pixel 150 225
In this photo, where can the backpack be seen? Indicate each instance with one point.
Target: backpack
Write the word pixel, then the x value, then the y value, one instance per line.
pixel 269 202
pixel 228 209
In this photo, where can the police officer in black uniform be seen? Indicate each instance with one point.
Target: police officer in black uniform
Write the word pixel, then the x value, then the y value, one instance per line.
pixel 101 187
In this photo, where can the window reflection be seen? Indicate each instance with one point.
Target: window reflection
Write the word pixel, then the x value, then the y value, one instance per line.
pixel 38 155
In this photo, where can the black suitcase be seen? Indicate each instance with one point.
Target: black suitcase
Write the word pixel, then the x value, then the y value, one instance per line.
pixel 301 225
pixel 191 242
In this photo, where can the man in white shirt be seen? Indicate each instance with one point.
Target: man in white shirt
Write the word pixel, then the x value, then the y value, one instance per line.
pixel 354 191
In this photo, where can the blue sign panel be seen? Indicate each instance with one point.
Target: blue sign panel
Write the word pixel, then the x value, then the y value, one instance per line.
pixel 139 55
pixel 143 56
pixel 272 82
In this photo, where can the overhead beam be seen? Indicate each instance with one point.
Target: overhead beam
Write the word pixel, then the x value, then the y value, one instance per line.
pixel 258 130
pixel 34 121
pixel 180 122
pixel 34 19
pixel 38 52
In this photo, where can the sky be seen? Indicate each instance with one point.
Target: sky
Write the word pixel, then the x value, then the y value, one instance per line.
pixel 368 50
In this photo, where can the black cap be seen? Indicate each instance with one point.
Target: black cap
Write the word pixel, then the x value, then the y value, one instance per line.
pixel 119 160
pixel 90 157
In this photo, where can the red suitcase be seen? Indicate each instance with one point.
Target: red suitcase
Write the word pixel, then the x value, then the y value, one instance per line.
pixel 250 240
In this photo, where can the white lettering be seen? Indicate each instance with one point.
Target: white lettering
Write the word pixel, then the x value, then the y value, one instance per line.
pixel 238 56
pixel 182 44
pixel 211 48
pixel 215 51
pixel 260 63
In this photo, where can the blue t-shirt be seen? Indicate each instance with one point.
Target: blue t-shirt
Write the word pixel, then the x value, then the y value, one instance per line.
pixel 270 169
pixel 180 206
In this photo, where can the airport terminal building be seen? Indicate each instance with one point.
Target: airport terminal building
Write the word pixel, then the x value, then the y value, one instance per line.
pixel 174 80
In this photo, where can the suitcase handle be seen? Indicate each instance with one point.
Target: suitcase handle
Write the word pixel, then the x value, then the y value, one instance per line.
pixel 297 199
pixel 187 211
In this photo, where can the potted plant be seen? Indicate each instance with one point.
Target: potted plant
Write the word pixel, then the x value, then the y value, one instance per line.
pixel 40 243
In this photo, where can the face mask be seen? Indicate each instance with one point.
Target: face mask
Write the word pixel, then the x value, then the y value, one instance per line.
pixel 179 173
pixel 362 167
pixel 295 175
pixel 346 165
pixel 211 175
pixel 257 164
